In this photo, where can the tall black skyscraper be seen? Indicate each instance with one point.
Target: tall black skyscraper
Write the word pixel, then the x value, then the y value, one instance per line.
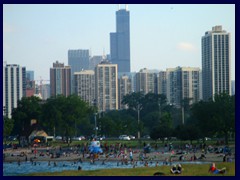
pixel 120 41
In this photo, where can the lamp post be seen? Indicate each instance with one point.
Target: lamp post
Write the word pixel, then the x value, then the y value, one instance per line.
pixel 183 115
pixel 159 103
pixel 95 119
pixel 139 109
pixel 138 123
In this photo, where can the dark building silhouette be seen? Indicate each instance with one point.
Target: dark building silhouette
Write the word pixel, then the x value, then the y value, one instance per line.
pixel 120 41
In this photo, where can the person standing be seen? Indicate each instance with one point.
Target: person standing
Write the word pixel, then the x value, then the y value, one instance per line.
pixel 131 155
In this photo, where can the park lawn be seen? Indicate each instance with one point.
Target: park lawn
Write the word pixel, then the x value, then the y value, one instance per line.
pixel 189 170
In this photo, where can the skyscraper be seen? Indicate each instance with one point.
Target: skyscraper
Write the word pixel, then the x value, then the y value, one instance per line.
pixel 45 91
pixel 120 41
pixel 145 81
pixel 106 86
pixel 78 59
pixel 94 61
pixel 233 87
pixel 60 79
pixel 216 61
pixel 14 86
pixel 182 83
pixel 124 87
pixel 85 85
pixel 162 83
pixel 30 75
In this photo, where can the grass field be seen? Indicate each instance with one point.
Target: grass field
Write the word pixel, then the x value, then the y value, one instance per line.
pixel 189 170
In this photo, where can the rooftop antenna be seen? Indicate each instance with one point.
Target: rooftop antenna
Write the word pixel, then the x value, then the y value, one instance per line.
pixel 126 7
pixel 104 57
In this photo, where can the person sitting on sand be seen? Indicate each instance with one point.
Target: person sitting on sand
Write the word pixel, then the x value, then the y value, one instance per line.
pixel 213 169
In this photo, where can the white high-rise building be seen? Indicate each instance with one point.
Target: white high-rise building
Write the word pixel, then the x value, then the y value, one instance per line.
pixel 106 86
pixel 14 87
pixel 45 91
pixel 85 85
pixel 182 83
pixel 233 87
pixel 162 83
pixel 216 63
pixel 125 87
pixel 145 81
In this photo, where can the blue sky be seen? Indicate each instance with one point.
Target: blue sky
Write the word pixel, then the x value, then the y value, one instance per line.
pixel 162 36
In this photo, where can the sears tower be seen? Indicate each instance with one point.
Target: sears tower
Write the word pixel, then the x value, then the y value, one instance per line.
pixel 120 41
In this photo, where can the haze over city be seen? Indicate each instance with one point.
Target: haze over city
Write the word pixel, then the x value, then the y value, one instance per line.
pixel 161 36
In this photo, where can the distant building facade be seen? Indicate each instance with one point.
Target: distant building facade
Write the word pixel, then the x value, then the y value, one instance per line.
pixel 183 83
pixel 85 85
pixel 94 61
pixel 106 86
pixel 145 81
pixel 60 79
pixel 30 88
pixel 45 91
pixel 216 63
pixel 162 83
pixel 124 87
pixel 233 87
pixel 14 86
pixel 30 75
pixel 78 60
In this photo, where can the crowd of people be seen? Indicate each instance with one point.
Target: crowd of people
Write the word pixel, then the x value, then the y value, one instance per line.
pixel 126 155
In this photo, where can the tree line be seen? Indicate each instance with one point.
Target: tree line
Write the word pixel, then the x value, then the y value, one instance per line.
pixel 71 116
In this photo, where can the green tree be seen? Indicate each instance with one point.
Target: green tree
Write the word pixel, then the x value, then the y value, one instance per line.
pixel 161 132
pixel 51 118
pixel 216 116
pixel 28 108
pixel 150 121
pixel 187 132
pixel 225 114
pixel 7 127
pixel 164 129
pixel 67 114
pixel 134 100
pixel 154 103
pixel 185 108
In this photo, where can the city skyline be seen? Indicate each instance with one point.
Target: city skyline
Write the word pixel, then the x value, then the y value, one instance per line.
pixel 162 36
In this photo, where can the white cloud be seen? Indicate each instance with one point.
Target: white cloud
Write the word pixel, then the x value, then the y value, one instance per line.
pixel 185 46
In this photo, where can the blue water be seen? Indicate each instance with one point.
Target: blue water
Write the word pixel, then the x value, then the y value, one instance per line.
pixel 13 169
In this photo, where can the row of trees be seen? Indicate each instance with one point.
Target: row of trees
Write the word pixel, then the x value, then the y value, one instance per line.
pixel 64 116
pixel 70 116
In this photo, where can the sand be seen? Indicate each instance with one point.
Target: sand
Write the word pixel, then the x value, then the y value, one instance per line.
pixel 21 154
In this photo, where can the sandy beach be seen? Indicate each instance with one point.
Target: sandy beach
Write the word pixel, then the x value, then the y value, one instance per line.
pixel 27 154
